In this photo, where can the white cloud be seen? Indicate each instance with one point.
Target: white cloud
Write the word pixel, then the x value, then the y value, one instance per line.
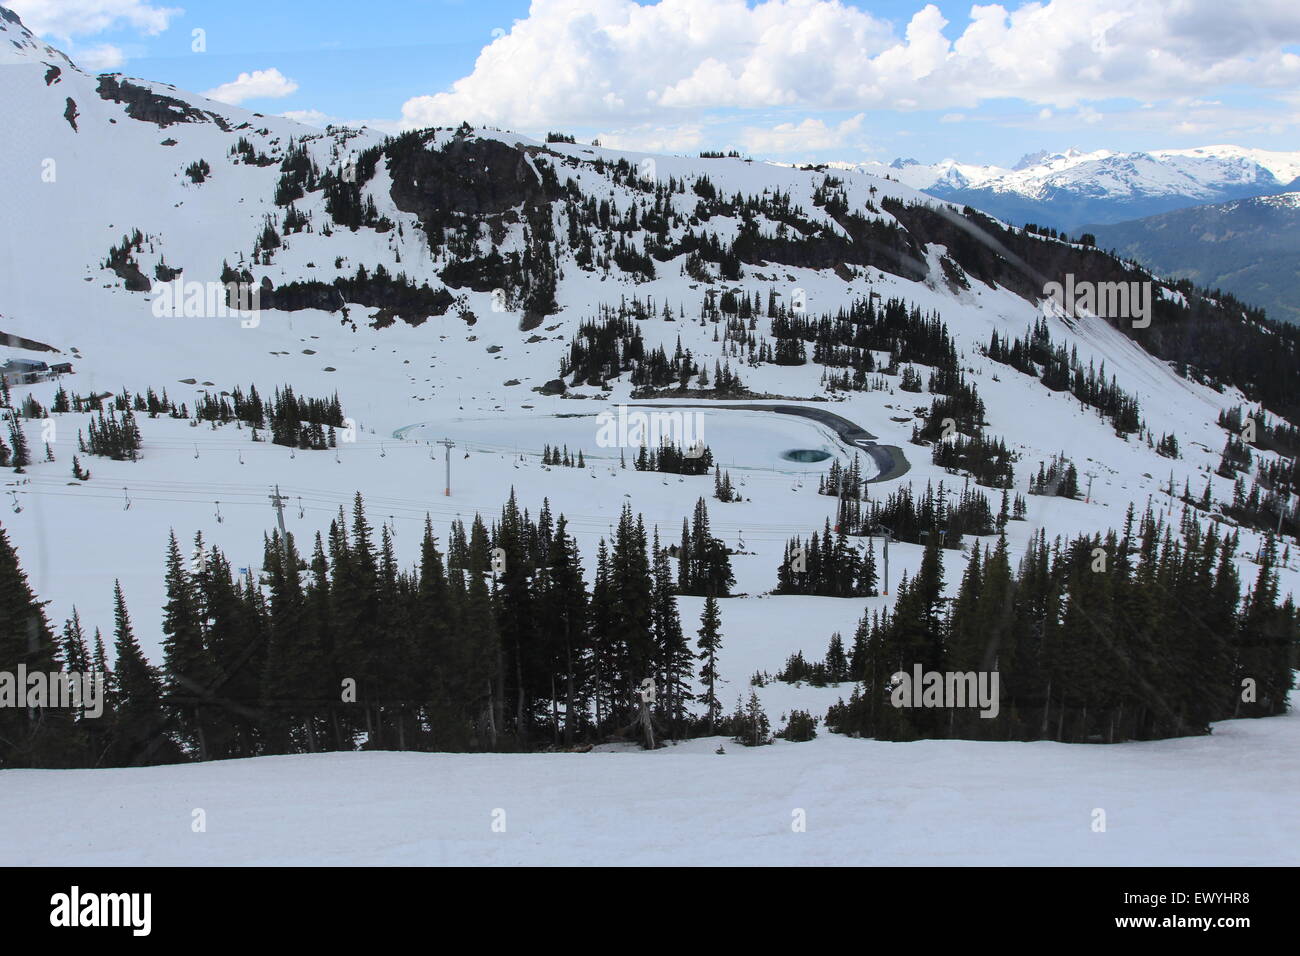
pixel 654 139
pixel 310 117
pixel 601 62
pixel 65 19
pixel 811 134
pixel 260 84
pixel 100 59
pixel 1177 120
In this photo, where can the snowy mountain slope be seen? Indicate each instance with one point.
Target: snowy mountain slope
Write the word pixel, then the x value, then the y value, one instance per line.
pixel 1067 190
pixel 18 45
pixel 113 175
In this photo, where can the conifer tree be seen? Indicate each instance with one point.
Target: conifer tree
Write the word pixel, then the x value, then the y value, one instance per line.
pixel 188 669
pixel 21 455
pixel 710 643
pixel 35 736
pixel 141 735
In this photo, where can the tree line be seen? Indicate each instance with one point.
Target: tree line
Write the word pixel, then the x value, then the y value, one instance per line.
pixel 1130 635
pixel 496 643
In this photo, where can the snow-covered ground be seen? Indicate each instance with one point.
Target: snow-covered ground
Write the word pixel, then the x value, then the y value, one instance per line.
pixel 1227 799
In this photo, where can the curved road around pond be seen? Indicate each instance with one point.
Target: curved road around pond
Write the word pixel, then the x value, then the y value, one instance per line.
pixel 890 461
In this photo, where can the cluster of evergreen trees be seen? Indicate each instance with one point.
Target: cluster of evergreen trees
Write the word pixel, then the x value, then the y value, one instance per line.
pixel 954 514
pixel 1264 508
pixel 723 489
pixel 703 561
pixel 498 644
pixel 121 261
pixel 611 345
pixel 674 460
pixel 847 338
pixel 835 668
pixel 957 407
pixel 341 185
pixel 1236 457
pixel 245 152
pixel 1057 477
pixel 147 402
pixel 986 459
pixel 1278 436
pixel 110 437
pixel 394 295
pixel 839 481
pixel 293 420
pixel 829 566
pixel 1135 635
pixel 1062 371
pixel 562 459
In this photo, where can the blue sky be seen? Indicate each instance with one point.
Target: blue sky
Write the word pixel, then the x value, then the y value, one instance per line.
pixel 786 79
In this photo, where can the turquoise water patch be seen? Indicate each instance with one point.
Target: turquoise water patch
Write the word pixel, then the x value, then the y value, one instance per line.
pixel 805 455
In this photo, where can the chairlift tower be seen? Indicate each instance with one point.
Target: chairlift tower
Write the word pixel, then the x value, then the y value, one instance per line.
pixel 449 445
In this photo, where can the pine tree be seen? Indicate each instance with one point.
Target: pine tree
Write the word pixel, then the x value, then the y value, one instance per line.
pixel 837 665
pixel 188 669
pixel 38 736
pixel 710 643
pixel 21 456
pixel 673 654
pixel 140 727
pixel 750 725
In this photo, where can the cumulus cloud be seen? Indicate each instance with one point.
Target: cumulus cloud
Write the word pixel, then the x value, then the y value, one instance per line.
pixel 654 139
pixel 605 62
pixel 66 19
pixel 310 117
pixel 811 134
pixel 101 58
pixel 257 85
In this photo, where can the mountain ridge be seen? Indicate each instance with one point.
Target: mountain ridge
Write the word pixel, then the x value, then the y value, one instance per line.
pixel 1065 190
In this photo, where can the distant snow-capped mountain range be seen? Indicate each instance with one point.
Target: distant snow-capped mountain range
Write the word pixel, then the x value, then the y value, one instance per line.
pixel 1068 189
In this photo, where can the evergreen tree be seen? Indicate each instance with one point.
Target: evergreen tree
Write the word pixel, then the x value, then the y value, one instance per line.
pixel 710 643
pixel 188 668
pixel 29 736
pixel 141 735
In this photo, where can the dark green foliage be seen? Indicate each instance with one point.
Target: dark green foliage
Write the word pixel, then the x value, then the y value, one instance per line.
pixel 1099 639
pixel 749 725
pixel 801 726
pixel 704 563
pixel 110 437
pixel 1061 371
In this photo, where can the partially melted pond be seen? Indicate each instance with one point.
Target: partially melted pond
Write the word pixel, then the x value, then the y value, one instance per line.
pixel 805 454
